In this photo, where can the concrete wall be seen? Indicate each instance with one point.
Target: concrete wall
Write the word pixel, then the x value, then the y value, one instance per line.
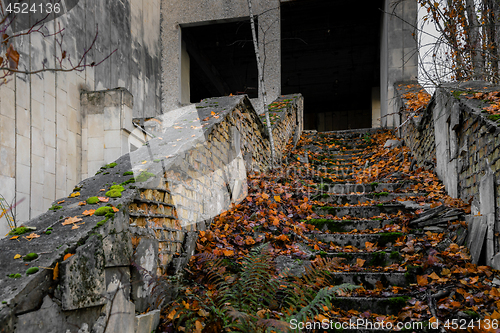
pixel 40 115
pixel 179 13
pixel 399 60
pixel 178 188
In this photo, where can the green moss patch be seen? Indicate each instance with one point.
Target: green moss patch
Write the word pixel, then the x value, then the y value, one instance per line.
pixel 128 173
pixel 14 276
pixel 32 270
pixel 103 211
pixel 115 191
pixel 92 200
pixel 19 231
pixel 30 256
pixel 55 207
pixel 389 237
pixel 109 166
pixel 144 176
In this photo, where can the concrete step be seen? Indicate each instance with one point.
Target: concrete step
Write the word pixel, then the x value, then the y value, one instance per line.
pixel 352 199
pixel 369 279
pixel 342 188
pixel 361 211
pixel 382 305
pixel 349 225
pixel 357 240
pixel 372 259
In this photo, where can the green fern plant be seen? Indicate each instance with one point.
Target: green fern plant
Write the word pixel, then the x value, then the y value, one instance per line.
pixel 255 299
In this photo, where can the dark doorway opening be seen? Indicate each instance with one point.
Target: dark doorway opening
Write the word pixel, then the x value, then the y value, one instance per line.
pixel 331 54
pixel 222 60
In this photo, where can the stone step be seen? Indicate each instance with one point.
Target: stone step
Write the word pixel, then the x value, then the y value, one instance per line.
pixel 375 259
pixel 365 188
pixel 349 225
pixel 369 279
pixel 352 199
pixel 382 305
pixel 362 212
pixel 357 240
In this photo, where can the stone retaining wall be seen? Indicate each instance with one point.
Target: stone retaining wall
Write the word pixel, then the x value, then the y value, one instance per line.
pixel 465 143
pixel 92 270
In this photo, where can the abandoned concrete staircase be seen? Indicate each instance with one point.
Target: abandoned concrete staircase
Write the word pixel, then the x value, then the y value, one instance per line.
pixel 364 223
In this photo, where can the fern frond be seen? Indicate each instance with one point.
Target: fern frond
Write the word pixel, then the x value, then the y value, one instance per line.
pixel 323 298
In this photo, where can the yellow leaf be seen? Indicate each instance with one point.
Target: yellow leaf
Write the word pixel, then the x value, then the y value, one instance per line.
pixel 17 256
pixel 171 315
pixel 76 194
pixel 277 198
pixel 201 312
pixel 55 273
pixel 445 272
pixel 199 326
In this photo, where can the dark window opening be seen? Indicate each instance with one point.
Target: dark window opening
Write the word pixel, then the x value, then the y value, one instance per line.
pixel 331 54
pixel 222 60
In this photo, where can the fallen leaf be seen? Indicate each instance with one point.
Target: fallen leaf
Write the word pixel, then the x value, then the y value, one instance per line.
pixel 277 198
pixel 14 237
pixel 103 199
pixel 422 280
pixel 82 203
pixel 17 256
pixel 360 262
pixel 75 194
pixel 32 236
pixel 55 273
pixel 115 209
pixel 71 220
pixel 68 255
pixel 89 212
pixel 60 202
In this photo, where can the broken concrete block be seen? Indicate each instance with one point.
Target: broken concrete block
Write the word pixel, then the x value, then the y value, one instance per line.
pixel 118 249
pixel 392 144
pixel 82 276
pixel 147 322
pixel 48 319
pixel 145 256
pixel 122 314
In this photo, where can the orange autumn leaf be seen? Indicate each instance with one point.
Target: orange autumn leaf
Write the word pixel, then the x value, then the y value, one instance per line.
pixel 103 199
pixel 249 240
pixel 422 280
pixel 360 262
pixel 82 203
pixel 14 237
pixel 71 220
pixel 32 236
pixel 265 196
pixel 115 209
pixel 55 272
pixel 228 253
pixel 277 198
pixel 68 255
pixel 89 212
pixel 434 276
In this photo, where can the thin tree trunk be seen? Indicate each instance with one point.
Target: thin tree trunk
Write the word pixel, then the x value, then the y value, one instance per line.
pixel 474 41
pixel 262 89
pixel 495 27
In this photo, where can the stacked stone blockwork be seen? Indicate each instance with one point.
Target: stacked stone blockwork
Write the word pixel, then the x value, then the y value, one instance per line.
pixel 93 273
